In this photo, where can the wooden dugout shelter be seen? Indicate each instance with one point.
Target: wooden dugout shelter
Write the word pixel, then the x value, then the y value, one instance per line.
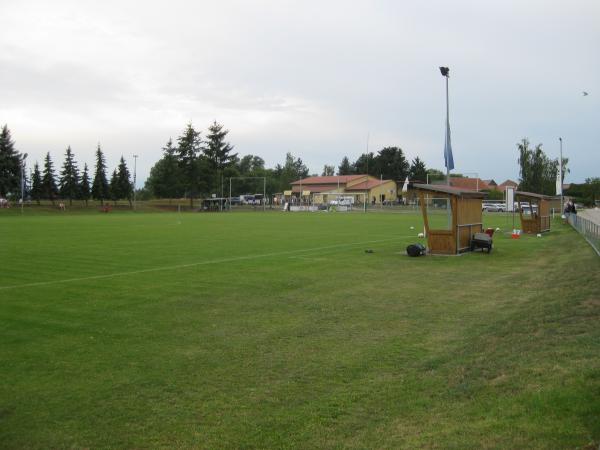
pixel 536 218
pixel 451 217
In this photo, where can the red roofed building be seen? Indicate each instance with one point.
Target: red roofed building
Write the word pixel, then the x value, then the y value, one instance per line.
pixel 323 189
pixel 503 186
pixel 469 184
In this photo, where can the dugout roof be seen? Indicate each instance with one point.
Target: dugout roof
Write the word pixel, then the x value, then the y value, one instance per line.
pixel 444 189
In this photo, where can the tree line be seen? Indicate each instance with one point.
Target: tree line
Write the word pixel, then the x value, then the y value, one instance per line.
pixel 69 184
pixel 194 166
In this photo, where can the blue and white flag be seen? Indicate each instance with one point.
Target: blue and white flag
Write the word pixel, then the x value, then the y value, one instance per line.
pixel 449 159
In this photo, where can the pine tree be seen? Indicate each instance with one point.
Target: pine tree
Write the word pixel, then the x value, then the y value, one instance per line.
pixel 10 164
pixel 165 180
pixel 49 189
pixel 345 167
pixel 125 187
pixel 390 163
pixel 100 190
pixel 292 170
pixel 84 189
pixel 37 190
pixel 114 192
pixel 365 164
pixel 69 177
pixel 190 163
pixel 418 171
pixel 218 152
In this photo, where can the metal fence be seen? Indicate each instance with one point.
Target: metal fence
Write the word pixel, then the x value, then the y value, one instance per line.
pixel 588 229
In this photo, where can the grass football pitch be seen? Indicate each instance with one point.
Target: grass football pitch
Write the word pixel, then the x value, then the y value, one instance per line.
pixel 278 330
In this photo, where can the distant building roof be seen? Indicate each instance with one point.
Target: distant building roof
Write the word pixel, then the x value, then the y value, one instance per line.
pixel 491 183
pixel 334 179
pixel 317 188
pixel 508 183
pixel 471 184
pixel 370 184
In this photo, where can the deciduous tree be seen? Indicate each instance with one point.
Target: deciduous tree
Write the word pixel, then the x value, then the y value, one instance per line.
pixel 365 164
pixel 537 171
pixel 391 164
pixel 328 171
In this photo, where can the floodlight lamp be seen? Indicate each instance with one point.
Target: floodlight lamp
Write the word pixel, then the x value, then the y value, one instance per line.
pixel 445 71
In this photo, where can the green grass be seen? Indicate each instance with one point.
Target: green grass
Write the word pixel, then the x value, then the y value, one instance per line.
pixel 275 330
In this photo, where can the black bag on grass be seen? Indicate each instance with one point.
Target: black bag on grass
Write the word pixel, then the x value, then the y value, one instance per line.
pixel 415 250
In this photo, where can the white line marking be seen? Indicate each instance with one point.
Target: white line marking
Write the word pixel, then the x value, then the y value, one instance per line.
pixel 200 263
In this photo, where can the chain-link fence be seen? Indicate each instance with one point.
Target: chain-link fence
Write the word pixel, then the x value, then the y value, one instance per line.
pixel 589 230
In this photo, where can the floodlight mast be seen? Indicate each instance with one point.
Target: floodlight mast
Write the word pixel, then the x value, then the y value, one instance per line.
pixel 445 71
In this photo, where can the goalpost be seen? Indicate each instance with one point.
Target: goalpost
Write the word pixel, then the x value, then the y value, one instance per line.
pixel 264 199
pixel 345 201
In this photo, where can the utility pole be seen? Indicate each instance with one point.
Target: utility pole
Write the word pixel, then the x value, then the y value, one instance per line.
pixel 23 181
pixel 560 175
pixel 135 157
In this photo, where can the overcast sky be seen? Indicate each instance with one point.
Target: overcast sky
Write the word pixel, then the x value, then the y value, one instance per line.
pixel 310 77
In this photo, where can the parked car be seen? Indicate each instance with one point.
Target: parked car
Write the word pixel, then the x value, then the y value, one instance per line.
pixel 493 207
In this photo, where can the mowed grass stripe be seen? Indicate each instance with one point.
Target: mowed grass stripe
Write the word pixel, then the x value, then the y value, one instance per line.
pixel 85 246
pixel 202 263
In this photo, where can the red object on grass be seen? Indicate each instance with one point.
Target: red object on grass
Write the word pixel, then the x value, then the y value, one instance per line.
pixel 489 231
